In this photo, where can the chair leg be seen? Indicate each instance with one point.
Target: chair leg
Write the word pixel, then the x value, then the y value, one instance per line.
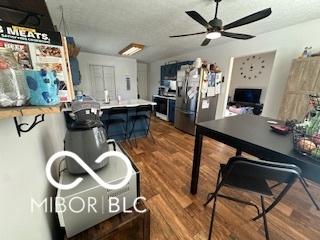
pixel 309 194
pixel 107 130
pixel 148 122
pixel 305 182
pixel 240 201
pixel 132 132
pixel 275 202
pixel 276 185
pixel 212 195
pixel 212 217
pixel 265 224
pixel 124 131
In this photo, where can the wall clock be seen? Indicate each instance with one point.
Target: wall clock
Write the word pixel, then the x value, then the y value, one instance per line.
pixel 252 67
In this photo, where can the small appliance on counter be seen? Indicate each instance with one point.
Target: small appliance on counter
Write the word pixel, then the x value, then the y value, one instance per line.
pixel 163 91
pixel 86 137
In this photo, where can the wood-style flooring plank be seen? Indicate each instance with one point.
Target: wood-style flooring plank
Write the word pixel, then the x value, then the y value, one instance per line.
pixel 165 168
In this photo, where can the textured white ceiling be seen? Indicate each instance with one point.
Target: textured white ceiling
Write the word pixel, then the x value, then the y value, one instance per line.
pixel 107 26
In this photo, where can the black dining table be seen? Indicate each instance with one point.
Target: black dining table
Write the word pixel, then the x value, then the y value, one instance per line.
pixel 253 135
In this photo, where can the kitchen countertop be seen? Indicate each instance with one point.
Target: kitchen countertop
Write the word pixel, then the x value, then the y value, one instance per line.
pixel 167 97
pixel 124 103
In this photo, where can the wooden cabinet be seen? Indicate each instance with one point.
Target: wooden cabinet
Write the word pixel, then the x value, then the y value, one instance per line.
pixel 304 79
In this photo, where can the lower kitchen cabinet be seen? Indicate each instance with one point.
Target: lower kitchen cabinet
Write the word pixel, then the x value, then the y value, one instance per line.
pixel 172 106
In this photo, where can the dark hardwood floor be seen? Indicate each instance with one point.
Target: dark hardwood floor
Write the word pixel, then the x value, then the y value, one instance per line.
pixel 176 214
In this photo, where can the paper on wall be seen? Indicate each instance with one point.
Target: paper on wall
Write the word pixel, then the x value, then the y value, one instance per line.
pixel 205 104
pixel 194 78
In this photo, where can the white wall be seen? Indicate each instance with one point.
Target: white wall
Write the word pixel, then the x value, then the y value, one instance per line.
pixel 258 77
pixel 124 67
pixel 22 177
pixel 289 43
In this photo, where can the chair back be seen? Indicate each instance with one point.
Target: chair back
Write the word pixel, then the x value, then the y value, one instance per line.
pixel 144 108
pixel 117 110
pixel 262 170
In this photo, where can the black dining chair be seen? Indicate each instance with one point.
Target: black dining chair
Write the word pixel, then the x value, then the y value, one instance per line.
pixel 142 113
pixel 255 176
pixel 117 116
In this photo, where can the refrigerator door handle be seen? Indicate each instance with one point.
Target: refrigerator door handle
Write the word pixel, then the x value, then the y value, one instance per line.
pixel 185 112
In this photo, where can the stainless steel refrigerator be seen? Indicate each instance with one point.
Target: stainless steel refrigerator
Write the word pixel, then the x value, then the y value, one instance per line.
pixel 195 101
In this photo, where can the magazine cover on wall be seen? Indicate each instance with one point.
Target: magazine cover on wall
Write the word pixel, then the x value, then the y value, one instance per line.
pixel 37 49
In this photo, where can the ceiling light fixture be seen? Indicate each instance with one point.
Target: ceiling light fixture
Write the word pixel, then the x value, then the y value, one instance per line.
pixel 213 35
pixel 131 49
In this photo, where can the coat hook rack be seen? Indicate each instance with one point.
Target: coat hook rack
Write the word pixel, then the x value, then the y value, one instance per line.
pixel 37 119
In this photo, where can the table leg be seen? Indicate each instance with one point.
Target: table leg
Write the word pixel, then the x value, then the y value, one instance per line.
pixel 196 162
pixel 239 152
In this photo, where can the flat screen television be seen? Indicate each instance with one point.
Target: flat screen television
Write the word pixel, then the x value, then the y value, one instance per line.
pixel 248 95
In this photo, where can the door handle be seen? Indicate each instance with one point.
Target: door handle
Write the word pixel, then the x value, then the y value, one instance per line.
pixel 186 113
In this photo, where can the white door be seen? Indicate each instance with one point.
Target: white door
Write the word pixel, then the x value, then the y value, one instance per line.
pixel 142 78
pixel 102 78
pixel 109 80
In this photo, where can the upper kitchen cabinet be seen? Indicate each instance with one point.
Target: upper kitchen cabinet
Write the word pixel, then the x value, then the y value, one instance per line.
pixel 169 71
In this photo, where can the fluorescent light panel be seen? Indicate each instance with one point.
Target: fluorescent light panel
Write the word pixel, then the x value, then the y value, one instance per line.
pixel 131 49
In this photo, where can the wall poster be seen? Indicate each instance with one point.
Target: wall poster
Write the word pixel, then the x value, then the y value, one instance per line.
pixel 38 49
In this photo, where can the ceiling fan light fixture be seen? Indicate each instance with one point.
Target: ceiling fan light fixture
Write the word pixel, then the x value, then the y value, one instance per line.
pixel 131 49
pixel 213 35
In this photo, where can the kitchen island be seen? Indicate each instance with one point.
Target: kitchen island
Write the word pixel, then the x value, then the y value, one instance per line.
pixel 117 131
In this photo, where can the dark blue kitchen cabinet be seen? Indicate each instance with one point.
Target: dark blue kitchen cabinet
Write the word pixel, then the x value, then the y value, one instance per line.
pixel 169 71
pixel 172 106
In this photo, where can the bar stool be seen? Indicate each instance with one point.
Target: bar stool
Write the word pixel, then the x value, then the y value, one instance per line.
pixel 115 118
pixel 141 113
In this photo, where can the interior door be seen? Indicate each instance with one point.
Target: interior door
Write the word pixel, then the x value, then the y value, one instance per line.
pixel 102 78
pixel 142 78
pixel 109 81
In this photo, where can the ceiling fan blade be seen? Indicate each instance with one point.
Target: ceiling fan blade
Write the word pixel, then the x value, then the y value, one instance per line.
pixel 205 42
pixel 197 17
pixel 236 35
pixel 249 19
pixel 185 35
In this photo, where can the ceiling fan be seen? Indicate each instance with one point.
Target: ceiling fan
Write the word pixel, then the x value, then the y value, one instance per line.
pixel 215 29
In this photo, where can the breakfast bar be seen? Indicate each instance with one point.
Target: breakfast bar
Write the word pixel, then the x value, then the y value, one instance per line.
pixel 123 120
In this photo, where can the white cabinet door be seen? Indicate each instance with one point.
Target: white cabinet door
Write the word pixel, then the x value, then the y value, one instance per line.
pixel 102 78
pixel 109 80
